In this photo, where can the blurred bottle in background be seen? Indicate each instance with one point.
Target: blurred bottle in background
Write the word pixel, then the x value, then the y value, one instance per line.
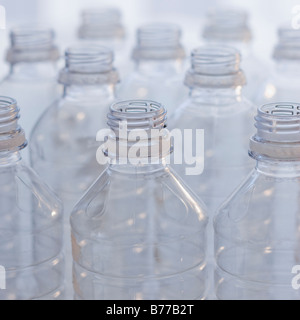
pixel 30 220
pixel 63 143
pixel 216 105
pixel 257 230
pixel 230 26
pixel 32 76
pixel 139 232
pixel 284 80
pixel 103 26
pixel 159 63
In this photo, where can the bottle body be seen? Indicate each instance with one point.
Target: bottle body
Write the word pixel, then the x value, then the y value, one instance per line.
pixel 257 228
pixel 138 233
pixel 129 246
pixel 35 87
pixel 256 238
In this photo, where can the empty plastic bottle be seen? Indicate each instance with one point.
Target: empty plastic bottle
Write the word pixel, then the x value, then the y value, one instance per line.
pixel 103 26
pixel 32 76
pixel 139 232
pixel 257 230
pixel 216 104
pixel 283 83
pixel 30 221
pixel 159 62
pixel 230 27
pixel 63 143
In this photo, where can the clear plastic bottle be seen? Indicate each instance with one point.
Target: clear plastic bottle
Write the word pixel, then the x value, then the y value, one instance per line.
pixel 159 62
pixel 103 26
pixel 63 143
pixel 229 26
pixel 283 83
pixel 32 77
pixel 216 104
pixel 139 232
pixel 257 229
pixel 30 220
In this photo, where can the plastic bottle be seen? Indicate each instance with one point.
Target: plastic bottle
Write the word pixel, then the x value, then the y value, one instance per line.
pixel 283 83
pixel 103 26
pixel 257 228
pixel 63 143
pixel 159 62
pixel 230 27
pixel 30 221
pixel 139 232
pixel 32 76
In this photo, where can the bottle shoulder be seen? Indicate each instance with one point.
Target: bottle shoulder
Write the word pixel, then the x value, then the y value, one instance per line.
pixel 127 203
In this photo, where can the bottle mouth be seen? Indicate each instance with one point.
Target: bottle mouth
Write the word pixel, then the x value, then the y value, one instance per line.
pixel 213 66
pixel 158 41
pixel 97 23
pixel 278 132
pixel 227 24
pixel 139 114
pixel 288 47
pixel 32 43
pixel 95 62
pixel 12 137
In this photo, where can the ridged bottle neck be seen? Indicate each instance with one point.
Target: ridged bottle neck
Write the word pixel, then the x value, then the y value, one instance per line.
pixel 12 136
pixel 88 66
pixel 138 118
pixel 30 45
pixel 278 133
pixel 227 25
pixel 101 24
pixel 288 47
pixel 279 169
pixel 158 42
pixel 215 67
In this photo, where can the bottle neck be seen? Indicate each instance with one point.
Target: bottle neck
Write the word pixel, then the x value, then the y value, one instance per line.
pixel 9 158
pixel 160 67
pixel 86 92
pixel 216 95
pixel 279 169
pixel 39 69
pixel 140 169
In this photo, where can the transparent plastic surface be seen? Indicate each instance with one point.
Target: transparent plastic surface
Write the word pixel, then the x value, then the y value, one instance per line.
pixel 283 82
pixel 103 26
pixel 30 221
pixel 230 27
pixel 63 143
pixel 139 232
pixel 32 77
pixel 257 228
pixel 159 65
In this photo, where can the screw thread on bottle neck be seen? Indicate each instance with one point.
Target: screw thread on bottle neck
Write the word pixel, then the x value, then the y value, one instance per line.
pixel 12 136
pixel 85 65
pixel 215 66
pixel 158 41
pixel 31 44
pixel 101 23
pixel 227 25
pixel 278 132
pixel 288 47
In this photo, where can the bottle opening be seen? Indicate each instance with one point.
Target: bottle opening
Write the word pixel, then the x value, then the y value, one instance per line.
pixel 288 47
pixel 12 137
pixel 227 24
pixel 158 41
pixel 215 66
pixel 99 23
pixel 278 132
